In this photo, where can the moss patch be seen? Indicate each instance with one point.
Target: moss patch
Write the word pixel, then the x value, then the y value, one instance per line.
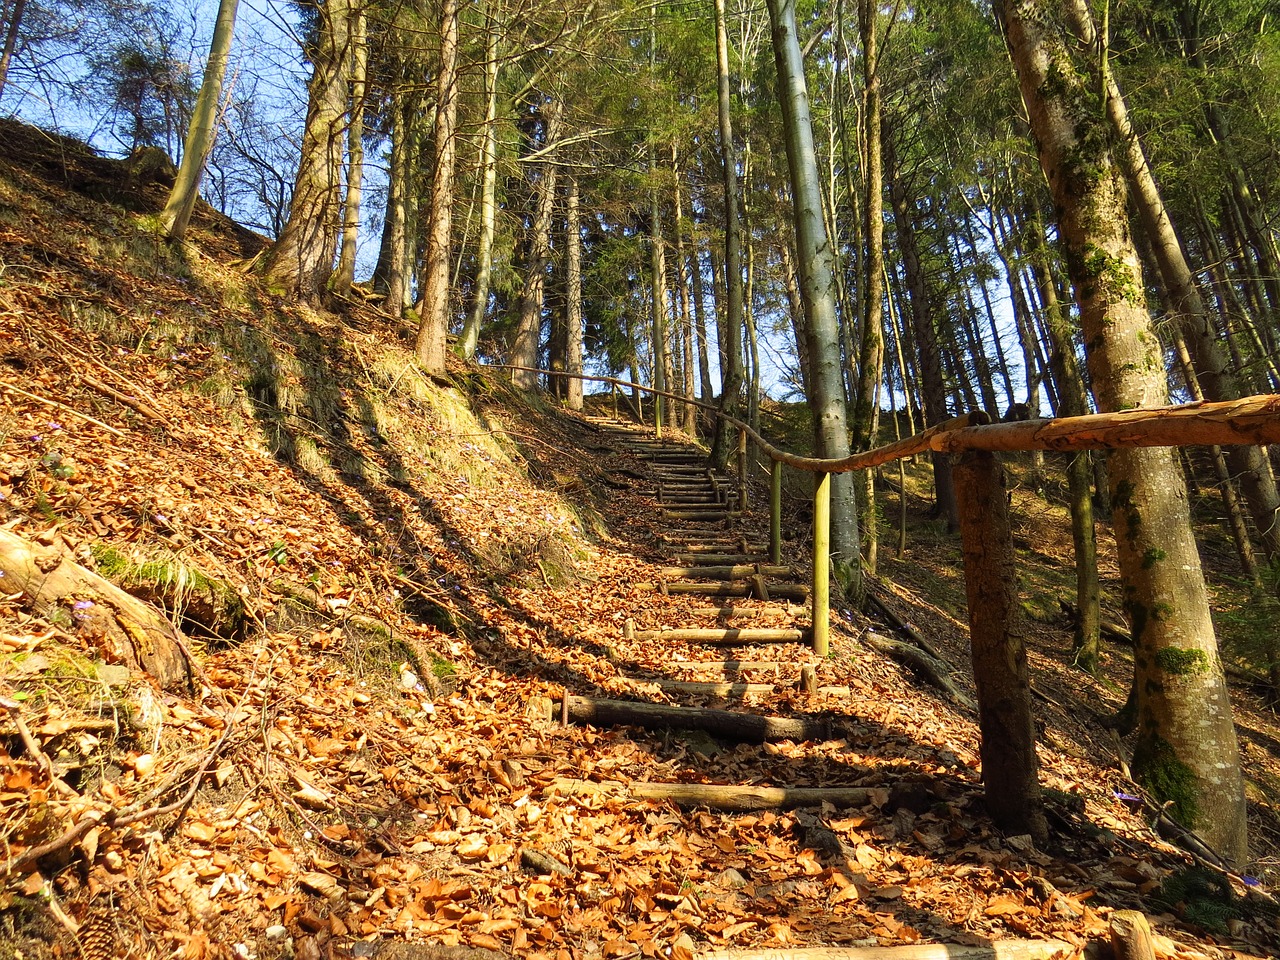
pixel 1182 661
pixel 1157 767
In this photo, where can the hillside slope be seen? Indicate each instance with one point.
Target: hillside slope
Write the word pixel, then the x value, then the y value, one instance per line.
pixel 384 583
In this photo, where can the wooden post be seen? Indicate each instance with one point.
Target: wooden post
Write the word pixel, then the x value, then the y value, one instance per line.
pixel 614 391
pixel 1008 749
pixel 657 415
pixel 821 564
pixel 742 471
pixel 775 512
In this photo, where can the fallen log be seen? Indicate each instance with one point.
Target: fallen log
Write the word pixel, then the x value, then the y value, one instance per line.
pixel 727 724
pixel 931 669
pixel 716 796
pixel 1000 950
pixel 728 666
pixel 132 632
pixel 714 559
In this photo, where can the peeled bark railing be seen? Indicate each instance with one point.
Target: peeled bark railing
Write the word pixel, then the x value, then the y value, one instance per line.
pixel 1250 420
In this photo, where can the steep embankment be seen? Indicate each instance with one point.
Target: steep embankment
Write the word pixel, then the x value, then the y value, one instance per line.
pixel 384 584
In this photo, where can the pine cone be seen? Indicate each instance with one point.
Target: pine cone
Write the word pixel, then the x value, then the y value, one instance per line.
pixel 97 938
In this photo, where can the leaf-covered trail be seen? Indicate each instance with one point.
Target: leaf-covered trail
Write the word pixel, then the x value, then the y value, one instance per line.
pixel 427 572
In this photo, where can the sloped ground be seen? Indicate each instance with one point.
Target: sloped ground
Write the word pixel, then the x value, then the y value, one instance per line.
pixel 423 570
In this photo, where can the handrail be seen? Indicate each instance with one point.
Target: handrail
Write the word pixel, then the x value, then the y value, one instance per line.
pixel 1249 420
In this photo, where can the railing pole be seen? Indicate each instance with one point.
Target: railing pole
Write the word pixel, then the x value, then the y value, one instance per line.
pixel 775 512
pixel 742 471
pixel 657 415
pixel 614 392
pixel 821 564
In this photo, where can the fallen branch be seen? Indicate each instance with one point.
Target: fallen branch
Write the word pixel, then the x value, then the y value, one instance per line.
pixel 741 727
pixel 1000 950
pixel 933 670
pixel 115 819
pixel 716 796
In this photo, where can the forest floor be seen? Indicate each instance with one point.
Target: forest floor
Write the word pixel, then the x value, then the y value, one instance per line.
pixel 388 582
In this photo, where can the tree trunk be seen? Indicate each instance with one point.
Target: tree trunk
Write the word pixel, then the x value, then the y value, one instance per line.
pixel 573 294
pixel 204 120
pixel 866 409
pixel 706 392
pixel 433 310
pixel 731 375
pixel 301 261
pixel 1065 370
pixel 12 27
pixel 390 275
pixel 470 336
pixel 932 385
pixel 1008 749
pixel 817 289
pixel 524 351
pixel 1186 751
pixel 345 275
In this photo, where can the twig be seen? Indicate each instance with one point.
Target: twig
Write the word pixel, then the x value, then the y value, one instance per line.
pixel 61 406
pixel 34 749
pixel 148 409
pixel 115 819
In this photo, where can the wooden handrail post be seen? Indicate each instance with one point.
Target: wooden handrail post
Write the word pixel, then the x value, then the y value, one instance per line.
pixel 775 512
pixel 742 471
pixel 658 405
pixel 1008 748
pixel 822 564
pixel 614 392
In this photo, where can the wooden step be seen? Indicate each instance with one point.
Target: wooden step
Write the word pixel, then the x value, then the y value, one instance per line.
pixel 697 559
pixel 727 636
pixel 738 571
pixel 741 613
pixel 704 515
pixel 722 688
pixel 777 591
pixel 735 666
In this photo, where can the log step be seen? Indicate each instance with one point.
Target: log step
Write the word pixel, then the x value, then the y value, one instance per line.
pixel 711 688
pixel 703 559
pixel 718 545
pixel 727 724
pixel 778 591
pixel 705 515
pixel 728 797
pixel 731 613
pixel 729 636
pixel 736 572
pixel 733 666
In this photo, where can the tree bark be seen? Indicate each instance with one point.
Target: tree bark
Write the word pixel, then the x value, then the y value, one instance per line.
pixel 204 120
pixel 301 261
pixel 433 309
pixel 345 275
pixel 12 27
pixel 1186 752
pixel 573 294
pixel 390 276
pixel 932 385
pixel 731 373
pixel 532 298
pixel 814 264
pixel 1008 749
pixel 470 336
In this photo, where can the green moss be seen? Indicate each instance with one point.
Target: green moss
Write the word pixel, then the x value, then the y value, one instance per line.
pixel 1157 767
pixel 1181 661
pixel 1153 556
